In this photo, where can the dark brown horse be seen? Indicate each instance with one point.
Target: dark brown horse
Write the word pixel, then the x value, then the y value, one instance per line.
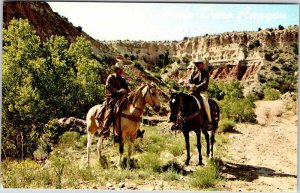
pixel 189 115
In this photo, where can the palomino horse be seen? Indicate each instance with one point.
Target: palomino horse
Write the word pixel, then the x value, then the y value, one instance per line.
pixel 128 121
pixel 189 115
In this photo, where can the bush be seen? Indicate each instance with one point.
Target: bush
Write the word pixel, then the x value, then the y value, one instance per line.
pixel 295 48
pixel 139 66
pixel 280 27
pixel 174 85
pixel 269 56
pixel 215 89
pixel 271 94
pixel 275 69
pixel 79 28
pixel 238 110
pixel 69 138
pixel 150 161
pixel 205 177
pixel 227 125
pixel 262 78
pixel 40 154
pixel 233 90
pixel 83 140
pixel 186 59
pixel 170 175
pixel 177 149
pixel 58 167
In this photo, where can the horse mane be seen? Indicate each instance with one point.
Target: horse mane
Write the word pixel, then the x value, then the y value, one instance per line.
pixel 188 102
pixel 132 97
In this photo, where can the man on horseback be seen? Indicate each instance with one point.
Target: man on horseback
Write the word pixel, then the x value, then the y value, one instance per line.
pixel 116 88
pixel 199 81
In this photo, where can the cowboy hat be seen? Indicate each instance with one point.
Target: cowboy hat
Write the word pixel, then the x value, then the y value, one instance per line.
pixel 198 60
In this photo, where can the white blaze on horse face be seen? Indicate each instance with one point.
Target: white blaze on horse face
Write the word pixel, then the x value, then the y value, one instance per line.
pixel 173 101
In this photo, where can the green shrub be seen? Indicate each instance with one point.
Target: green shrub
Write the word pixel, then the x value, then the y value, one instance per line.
pixel 238 110
pixel 150 161
pixel 170 175
pixel 58 165
pixel 40 154
pixel 139 66
pixel 227 125
pixel 269 56
pixel 69 138
pixel 177 149
pixel 233 90
pixel 262 78
pixel 83 140
pixel 174 85
pixel 271 94
pixel 215 89
pixel 205 177
pixel 295 48
pixel 172 165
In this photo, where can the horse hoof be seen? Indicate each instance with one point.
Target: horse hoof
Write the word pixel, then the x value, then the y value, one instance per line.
pixel 200 164
pixel 187 163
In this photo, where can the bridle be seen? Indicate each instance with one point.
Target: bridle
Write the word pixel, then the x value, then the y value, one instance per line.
pixel 180 120
pixel 144 97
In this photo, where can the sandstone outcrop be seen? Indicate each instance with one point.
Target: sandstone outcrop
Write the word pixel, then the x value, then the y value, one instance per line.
pixel 235 55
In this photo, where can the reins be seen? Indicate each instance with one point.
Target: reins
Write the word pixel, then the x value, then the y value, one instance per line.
pixel 182 120
pixel 138 118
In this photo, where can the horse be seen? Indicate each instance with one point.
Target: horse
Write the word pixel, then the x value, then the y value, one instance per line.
pixel 189 115
pixel 126 123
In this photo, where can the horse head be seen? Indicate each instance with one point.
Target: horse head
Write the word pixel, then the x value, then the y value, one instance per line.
pixel 174 106
pixel 151 96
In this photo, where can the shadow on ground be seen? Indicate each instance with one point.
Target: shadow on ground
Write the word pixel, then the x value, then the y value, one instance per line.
pixel 247 172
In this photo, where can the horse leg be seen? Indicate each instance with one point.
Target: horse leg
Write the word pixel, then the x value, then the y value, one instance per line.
pixel 99 147
pixel 88 146
pixel 130 146
pixel 206 134
pixel 187 145
pixel 198 134
pixel 212 141
pixel 121 151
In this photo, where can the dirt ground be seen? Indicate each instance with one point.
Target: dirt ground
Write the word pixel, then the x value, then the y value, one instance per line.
pixel 263 156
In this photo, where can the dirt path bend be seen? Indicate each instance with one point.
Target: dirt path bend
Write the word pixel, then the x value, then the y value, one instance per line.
pixel 263 156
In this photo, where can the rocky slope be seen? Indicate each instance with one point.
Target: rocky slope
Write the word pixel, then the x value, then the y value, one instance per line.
pixel 235 55
pixel 46 23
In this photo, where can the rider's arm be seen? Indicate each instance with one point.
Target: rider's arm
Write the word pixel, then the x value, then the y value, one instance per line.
pixel 204 83
pixel 125 87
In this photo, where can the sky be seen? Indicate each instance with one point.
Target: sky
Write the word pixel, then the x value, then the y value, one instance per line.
pixel 172 21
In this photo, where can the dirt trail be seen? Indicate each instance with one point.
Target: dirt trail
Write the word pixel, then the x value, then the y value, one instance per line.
pixel 263 156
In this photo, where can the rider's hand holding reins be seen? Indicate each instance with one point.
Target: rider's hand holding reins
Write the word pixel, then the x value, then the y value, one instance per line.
pixel 122 91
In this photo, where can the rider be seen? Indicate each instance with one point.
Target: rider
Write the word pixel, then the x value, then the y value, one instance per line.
pixel 199 80
pixel 116 88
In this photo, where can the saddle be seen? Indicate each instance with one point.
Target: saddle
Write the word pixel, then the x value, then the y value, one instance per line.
pixel 121 105
pixel 99 114
pixel 213 109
